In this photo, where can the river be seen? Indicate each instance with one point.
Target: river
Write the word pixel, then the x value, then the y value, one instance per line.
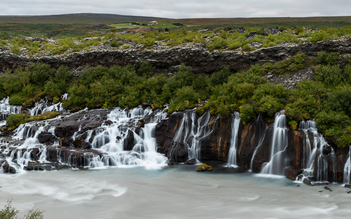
pixel 173 192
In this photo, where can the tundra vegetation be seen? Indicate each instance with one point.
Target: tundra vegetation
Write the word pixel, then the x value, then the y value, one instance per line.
pixel 213 39
pixel 327 98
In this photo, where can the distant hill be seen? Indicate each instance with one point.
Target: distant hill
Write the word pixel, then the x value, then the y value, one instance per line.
pixel 79 18
pixel 266 21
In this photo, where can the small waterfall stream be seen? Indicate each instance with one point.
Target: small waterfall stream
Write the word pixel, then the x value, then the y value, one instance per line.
pixel 316 152
pixel 279 143
pixel 43 106
pixel 6 108
pixel 347 168
pixel 232 161
pixel 191 132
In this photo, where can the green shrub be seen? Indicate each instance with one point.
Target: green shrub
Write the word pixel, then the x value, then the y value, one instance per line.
pixel 329 75
pixel 290 65
pixel 218 43
pixel 269 105
pixel 16 100
pixel 220 77
pixel 185 98
pixel 298 30
pixel 9 212
pixel 247 113
pixel 246 47
pixel 146 69
pixel 14 120
pixel 326 58
pixel 115 43
pixel 15 49
pixel 331 123
pixel 345 139
pixel 293 124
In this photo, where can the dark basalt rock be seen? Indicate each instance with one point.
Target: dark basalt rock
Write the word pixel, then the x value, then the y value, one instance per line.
pixel 7 168
pixel 165 133
pixel 193 55
pixel 307 181
pixel 128 143
pixel 45 137
pixel 108 122
pixel 66 128
pixel 326 150
pixel 78 142
pixel 191 161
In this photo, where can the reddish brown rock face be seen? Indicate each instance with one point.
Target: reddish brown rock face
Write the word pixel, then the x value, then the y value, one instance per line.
pixel 249 137
pixel 216 145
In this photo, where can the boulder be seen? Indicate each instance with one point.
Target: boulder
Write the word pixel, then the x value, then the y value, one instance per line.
pixel 191 161
pixel 46 137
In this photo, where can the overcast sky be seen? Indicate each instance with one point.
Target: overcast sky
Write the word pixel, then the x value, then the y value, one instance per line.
pixel 181 8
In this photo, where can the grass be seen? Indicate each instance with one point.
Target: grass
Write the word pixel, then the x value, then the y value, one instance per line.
pixel 128 26
pixel 266 22
pixel 81 18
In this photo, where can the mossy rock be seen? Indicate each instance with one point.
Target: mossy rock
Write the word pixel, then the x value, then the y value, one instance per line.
pixel 204 167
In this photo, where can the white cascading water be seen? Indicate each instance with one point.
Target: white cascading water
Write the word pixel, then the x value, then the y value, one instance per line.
pixel 5 107
pixel 144 152
pixel 232 161
pixel 109 140
pixel 347 168
pixel 279 143
pixel 43 106
pixel 315 151
pixel 191 131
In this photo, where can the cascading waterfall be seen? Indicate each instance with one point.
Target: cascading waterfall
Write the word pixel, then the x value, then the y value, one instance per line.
pixel 232 162
pixel 191 132
pixel 347 168
pixel 6 108
pixel 144 151
pixel 315 151
pixel 278 145
pixel 108 141
pixel 43 106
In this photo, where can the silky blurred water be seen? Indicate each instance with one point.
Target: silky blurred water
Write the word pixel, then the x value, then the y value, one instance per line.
pixel 178 192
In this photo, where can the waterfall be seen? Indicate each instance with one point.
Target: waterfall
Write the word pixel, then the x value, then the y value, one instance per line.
pixel 43 106
pixel 110 140
pixel 6 108
pixel 315 151
pixel 279 143
pixel 347 168
pixel 232 162
pixel 190 133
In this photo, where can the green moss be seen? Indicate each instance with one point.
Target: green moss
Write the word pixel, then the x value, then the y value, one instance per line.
pixel 293 125
pixel 14 120
pixel 203 167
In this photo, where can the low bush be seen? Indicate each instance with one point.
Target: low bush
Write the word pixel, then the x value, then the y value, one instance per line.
pixel 14 120
pixel 16 100
pixel 9 212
